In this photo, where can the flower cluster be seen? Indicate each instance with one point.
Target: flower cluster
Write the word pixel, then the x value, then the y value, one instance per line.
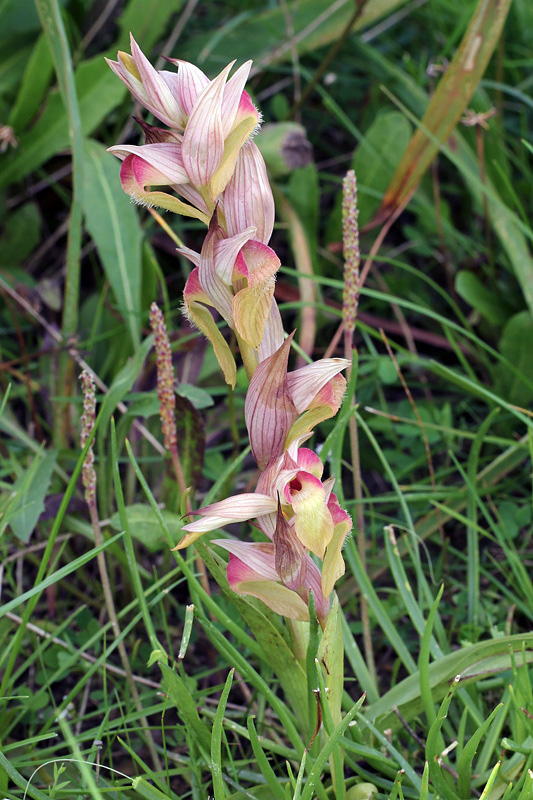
pixel 216 174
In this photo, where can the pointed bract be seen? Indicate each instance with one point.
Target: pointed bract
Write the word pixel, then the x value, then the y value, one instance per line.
pixel 203 140
pixel 269 411
pixel 248 197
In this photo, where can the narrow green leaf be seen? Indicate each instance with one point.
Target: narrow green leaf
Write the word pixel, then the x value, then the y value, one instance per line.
pixel 216 740
pixel 464 763
pixel 128 543
pixel 190 429
pixel 263 763
pixel 423 662
pixel 322 758
pixel 181 698
pixel 56 576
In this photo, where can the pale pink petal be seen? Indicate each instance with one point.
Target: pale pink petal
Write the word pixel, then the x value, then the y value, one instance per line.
pixel 238 508
pixel 130 81
pixel 277 597
pixel 305 383
pixel 193 291
pixel 192 255
pixel 163 158
pixel 220 295
pixel 232 97
pixel 338 514
pixel 193 196
pixel 160 97
pixel 273 334
pixel 328 488
pixel 226 252
pixel 269 411
pixel 189 82
pixel 310 462
pixel 261 260
pixel 257 559
pixel 267 524
pixel 248 197
pixel 133 174
pixel 203 141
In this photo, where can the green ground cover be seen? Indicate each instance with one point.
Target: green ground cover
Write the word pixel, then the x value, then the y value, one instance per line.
pixel 178 697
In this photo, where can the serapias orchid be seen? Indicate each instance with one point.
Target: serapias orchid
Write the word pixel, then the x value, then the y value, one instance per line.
pixel 235 276
pixel 300 515
pixel 210 122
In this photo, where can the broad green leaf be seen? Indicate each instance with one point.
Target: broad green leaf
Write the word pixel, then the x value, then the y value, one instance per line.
pixel 375 159
pixel 32 489
pixel 315 23
pixel 18 16
pixel 148 22
pixel 516 345
pixel 144 525
pixel 489 304
pixel 472 663
pixel 98 90
pixel 195 395
pixel 114 226
pixel 20 235
pixel 12 66
pixel 123 383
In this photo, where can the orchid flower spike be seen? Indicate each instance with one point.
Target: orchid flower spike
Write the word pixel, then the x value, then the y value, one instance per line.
pixel 210 122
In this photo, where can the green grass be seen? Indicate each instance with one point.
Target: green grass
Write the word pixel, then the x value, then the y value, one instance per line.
pixel 210 709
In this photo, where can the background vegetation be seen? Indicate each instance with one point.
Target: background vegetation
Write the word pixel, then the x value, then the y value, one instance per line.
pixel 444 388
